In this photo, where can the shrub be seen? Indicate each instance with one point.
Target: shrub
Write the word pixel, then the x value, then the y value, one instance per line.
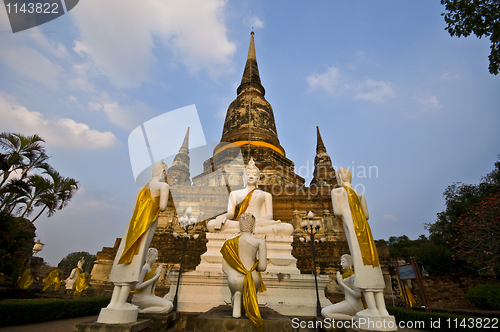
pixel 440 321
pixel 485 296
pixel 19 312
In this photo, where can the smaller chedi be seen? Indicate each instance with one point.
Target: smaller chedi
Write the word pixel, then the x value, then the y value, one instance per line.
pixel 347 309
pixel 244 257
pixel 252 200
pixel 144 294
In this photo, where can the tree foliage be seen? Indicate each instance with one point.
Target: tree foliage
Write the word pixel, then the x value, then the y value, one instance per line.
pixel 16 242
pixel 28 184
pixel 469 226
pixel 69 262
pixel 22 187
pixel 435 258
pixel 477 236
pixel 465 237
pixel 481 17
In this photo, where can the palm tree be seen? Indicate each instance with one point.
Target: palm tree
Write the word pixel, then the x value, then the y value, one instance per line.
pixel 58 196
pixel 39 189
pixel 13 194
pixel 22 153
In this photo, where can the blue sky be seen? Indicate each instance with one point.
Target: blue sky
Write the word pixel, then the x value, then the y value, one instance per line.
pixel 385 82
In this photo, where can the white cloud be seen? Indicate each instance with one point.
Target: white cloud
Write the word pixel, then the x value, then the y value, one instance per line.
pixel 328 81
pixel 125 116
pixel 93 106
pixel 431 102
pixel 390 217
pixel 58 50
pixel 336 83
pixel 253 22
pixel 63 132
pixel 31 63
pixel 79 78
pixel 118 36
pixel 374 91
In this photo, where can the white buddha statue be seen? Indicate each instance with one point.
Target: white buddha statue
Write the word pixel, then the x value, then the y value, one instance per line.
pixel 252 200
pixel 244 257
pixel 347 309
pixel 144 294
pixel 70 282
pixel 350 206
pixel 127 266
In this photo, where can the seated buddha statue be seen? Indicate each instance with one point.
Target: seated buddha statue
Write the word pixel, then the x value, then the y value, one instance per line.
pixel 250 200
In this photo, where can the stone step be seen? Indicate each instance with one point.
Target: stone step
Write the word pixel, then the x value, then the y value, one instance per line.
pixel 219 319
pixel 160 322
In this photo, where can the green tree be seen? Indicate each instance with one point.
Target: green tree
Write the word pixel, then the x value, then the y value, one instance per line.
pixel 454 228
pixel 481 17
pixel 477 235
pixel 22 154
pixel 435 258
pixel 27 184
pixel 16 244
pixel 69 262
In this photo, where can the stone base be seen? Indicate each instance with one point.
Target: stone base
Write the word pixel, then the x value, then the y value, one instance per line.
pixel 376 323
pixel 118 316
pixel 94 326
pixel 219 319
pixel 288 294
pixel 279 253
pixel 160 322
pixel 288 291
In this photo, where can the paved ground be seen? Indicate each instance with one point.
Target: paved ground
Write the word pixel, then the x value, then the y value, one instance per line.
pixel 65 325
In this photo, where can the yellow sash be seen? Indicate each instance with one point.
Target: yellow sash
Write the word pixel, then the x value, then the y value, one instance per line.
pixel 347 274
pixel 242 207
pixel 363 231
pixel 81 283
pixel 230 254
pixel 25 281
pixel 410 299
pixel 53 278
pixel 148 276
pixel 145 213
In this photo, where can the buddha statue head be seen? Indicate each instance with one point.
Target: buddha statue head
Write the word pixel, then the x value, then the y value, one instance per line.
pixel 344 175
pixel 152 255
pixel 80 262
pixel 346 262
pixel 252 173
pixel 159 169
pixel 247 223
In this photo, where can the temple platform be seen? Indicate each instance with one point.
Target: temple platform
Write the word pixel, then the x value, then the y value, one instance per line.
pixel 160 322
pixel 219 319
pixel 94 326
pixel 288 292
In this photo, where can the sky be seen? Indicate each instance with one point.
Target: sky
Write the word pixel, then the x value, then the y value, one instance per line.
pixel 389 88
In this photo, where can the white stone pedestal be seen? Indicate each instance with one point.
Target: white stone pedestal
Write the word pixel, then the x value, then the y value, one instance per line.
pixel 288 291
pixel 279 253
pixel 118 316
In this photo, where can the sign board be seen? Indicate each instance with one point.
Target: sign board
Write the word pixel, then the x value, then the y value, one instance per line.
pixel 406 272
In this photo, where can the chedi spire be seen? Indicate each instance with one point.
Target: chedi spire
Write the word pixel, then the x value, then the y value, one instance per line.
pixel 178 173
pixel 324 173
